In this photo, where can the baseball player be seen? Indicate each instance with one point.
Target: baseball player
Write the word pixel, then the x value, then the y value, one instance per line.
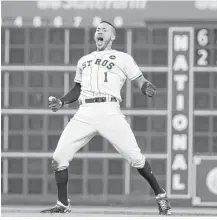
pixel 99 78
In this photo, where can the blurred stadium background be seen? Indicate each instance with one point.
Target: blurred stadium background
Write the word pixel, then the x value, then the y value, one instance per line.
pixel 174 43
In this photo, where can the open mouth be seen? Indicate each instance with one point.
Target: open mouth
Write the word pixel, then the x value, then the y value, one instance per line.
pixel 100 38
pixel 100 41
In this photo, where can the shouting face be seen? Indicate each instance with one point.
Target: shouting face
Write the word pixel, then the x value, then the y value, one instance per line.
pixel 104 36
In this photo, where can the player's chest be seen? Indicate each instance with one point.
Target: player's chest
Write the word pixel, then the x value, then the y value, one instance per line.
pixel 99 63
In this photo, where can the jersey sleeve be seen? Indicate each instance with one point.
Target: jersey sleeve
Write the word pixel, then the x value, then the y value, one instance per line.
pixel 131 69
pixel 78 73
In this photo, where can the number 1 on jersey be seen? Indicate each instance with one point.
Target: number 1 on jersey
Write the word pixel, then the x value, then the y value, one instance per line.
pixel 106 77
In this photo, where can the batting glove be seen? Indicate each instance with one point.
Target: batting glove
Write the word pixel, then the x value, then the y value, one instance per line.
pixel 148 89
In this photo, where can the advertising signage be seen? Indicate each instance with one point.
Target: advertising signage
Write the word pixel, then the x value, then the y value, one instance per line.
pixel 121 13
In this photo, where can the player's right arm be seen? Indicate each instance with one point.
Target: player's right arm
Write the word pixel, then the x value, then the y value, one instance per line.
pixel 56 103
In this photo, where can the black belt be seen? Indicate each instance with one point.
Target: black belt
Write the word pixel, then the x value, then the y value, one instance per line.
pixel 100 99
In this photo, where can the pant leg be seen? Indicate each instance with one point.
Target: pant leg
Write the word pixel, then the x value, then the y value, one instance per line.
pixel 75 135
pixel 118 132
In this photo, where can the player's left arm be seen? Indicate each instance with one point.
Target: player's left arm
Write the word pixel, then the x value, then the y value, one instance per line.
pixel 146 87
pixel 134 73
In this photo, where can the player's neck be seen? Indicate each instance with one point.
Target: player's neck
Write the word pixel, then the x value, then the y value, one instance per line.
pixel 106 49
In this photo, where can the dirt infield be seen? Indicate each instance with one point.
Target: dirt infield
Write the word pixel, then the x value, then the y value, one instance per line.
pixel 95 211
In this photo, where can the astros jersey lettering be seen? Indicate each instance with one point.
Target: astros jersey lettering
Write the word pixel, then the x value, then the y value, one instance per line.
pixel 105 72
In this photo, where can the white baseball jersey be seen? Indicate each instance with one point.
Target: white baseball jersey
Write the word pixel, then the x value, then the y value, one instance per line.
pixel 101 74
pixel 104 73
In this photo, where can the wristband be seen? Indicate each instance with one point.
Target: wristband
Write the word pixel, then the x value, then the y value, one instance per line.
pixel 61 102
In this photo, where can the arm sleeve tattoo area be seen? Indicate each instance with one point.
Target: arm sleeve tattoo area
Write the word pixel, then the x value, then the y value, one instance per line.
pixel 72 95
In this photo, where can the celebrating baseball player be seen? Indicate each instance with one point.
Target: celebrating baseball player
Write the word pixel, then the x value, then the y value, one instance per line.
pixel 99 78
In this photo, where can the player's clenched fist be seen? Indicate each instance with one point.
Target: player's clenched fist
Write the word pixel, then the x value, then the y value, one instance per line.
pixel 54 103
pixel 149 89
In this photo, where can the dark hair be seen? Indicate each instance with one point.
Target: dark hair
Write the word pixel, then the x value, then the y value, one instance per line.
pixel 107 23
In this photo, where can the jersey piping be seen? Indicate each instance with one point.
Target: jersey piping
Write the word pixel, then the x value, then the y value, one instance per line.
pixel 135 77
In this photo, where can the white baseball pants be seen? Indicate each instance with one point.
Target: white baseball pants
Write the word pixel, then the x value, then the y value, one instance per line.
pixel 105 119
